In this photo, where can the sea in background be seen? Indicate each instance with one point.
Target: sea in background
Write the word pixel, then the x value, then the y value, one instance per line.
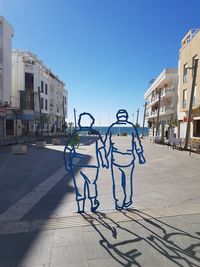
pixel 121 130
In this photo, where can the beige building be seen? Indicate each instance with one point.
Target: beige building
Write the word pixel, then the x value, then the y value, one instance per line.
pixel 161 98
pixel 189 51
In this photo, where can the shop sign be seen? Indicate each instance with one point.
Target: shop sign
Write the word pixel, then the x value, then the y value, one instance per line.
pixel 186 119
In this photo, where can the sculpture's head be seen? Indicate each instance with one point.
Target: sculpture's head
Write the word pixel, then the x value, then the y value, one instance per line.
pixel 122 115
pixel 86 120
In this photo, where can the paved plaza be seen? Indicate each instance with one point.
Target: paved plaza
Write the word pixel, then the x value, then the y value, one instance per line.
pixel 39 225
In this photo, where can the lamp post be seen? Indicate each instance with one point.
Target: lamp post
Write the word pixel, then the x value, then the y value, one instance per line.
pixel 75 119
pixel 17 113
pixel 145 107
pixel 158 114
pixel 40 110
pixel 194 68
pixel 137 117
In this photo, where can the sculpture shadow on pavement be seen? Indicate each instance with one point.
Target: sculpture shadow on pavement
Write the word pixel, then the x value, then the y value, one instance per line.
pixel 160 238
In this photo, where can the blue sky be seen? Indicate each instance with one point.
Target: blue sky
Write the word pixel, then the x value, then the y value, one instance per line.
pixel 106 51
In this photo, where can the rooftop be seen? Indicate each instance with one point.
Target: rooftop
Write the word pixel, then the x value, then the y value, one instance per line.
pixel 159 80
pixel 188 37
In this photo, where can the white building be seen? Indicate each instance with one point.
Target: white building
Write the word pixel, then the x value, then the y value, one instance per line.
pixel 161 98
pixel 6 34
pixel 189 51
pixel 31 81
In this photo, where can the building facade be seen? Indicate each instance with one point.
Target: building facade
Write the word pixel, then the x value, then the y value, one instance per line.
pixel 161 98
pixel 6 34
pixel 38 98
pixel 190 50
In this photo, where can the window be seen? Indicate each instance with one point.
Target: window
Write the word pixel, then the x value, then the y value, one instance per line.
pixel 185 73
pixel 42 87
pixel 29 81
pixel 42 102
pixel 46 89
pixel 196 128
pixel 46 104
pixel 64 100
pixel 193 62
pixel 184 103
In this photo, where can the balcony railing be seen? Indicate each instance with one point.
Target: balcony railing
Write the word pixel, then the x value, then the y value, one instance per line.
pixel 167 91
pixel 166 109
pixel 154 113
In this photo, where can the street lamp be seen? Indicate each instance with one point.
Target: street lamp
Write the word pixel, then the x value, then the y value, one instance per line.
pixel 75 119
pixel 194 68
pixel 17 113
pixel 137 117
pixel 145 107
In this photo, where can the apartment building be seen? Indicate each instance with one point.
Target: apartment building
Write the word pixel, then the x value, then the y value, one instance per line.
pixel 190 50
pixel 6 34
pixel 161 98
pixel 38 98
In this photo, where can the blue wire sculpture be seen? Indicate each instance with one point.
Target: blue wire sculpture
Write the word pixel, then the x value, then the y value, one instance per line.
pixel 87 172
pixel 122 159
pixel 122 162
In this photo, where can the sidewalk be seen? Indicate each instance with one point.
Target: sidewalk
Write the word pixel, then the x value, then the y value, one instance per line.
pixel 162 229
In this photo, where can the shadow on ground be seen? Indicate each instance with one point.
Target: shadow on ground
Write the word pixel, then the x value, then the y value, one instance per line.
pixel 38 165
pixel 164 239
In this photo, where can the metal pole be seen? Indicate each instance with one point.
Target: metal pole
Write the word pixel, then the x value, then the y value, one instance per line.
pixel 137 117
pixel 75 118
pixel 40 110
pixel 191 103
pixel 145 107
pixel 158 115
pixel 16 126
pixel 64 116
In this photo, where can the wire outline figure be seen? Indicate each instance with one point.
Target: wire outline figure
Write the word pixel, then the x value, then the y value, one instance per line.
pixel 119 167
pixel 77 160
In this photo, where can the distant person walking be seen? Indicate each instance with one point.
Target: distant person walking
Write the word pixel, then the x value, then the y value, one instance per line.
pixel 122 159
pixel 84 164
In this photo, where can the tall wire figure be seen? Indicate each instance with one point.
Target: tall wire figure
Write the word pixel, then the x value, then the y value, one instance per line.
pixel 122 159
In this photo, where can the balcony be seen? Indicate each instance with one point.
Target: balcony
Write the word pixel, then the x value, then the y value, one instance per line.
pixel 153 100
pixel 167 91
pixel 165 110
pixel 151 114
pixel 27 100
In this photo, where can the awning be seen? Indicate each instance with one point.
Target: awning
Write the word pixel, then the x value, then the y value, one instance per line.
pixel 23 117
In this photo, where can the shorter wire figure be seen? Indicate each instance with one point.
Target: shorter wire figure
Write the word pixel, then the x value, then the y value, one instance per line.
pixel 84 164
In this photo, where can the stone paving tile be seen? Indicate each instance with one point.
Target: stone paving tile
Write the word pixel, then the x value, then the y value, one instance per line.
pixel 107 262
pixel 30 265
pixel 37 257
pixel 65 237
pixel 68 256
pixel 39 250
